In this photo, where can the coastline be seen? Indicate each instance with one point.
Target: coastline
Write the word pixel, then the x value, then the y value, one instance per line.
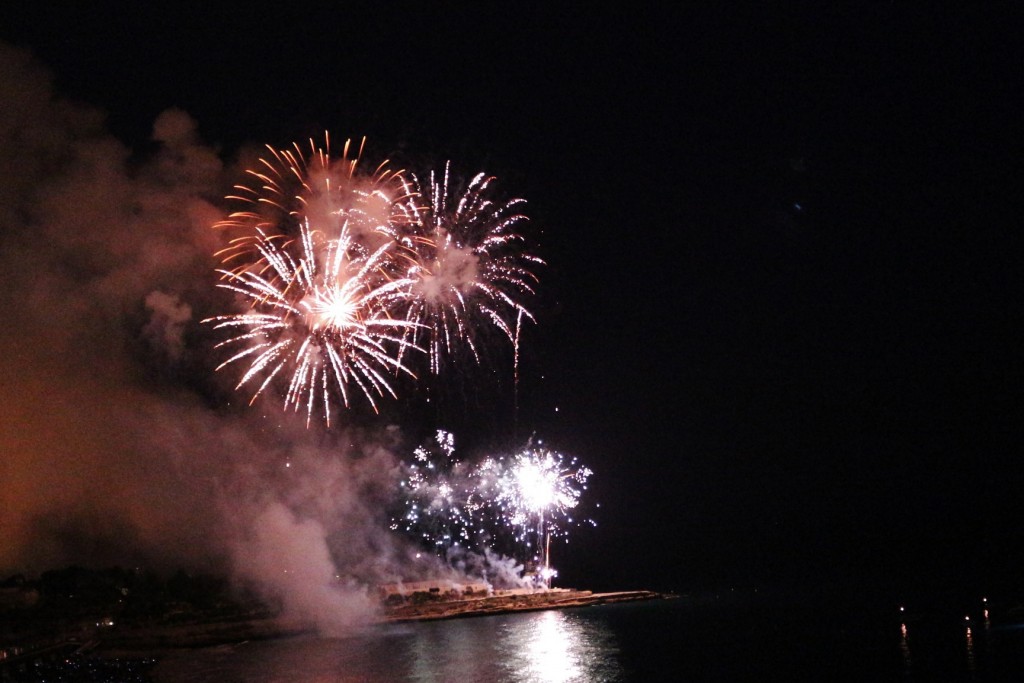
pixel 209 634
pixel 513 601
pixel 133 642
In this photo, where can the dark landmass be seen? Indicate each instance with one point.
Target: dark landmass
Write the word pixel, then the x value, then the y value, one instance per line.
pixel 205 632
pixel 512 601
pixel 72 618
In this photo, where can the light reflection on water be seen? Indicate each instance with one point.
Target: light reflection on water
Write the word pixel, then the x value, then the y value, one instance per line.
pixel 541 647
pixel 555 647
pixel 551 650
pixel 705 638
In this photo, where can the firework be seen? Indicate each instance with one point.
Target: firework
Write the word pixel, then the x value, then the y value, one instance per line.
pixel 347 276
pixel 320 316
pixel 539 494
pixel 517 503
pixel 536 492
pixel 316 265
pixel 441 506
pixel 291 188
pixel 469 270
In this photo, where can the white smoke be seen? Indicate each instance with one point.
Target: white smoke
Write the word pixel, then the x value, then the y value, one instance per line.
pixel 456 268
pixel 495 570
pixel 166 326
pixel 111 451
pixel 287 557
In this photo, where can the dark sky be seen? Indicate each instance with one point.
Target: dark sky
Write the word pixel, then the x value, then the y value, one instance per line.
pixel 782 309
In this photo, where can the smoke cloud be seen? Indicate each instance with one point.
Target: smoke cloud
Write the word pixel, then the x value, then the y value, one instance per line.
pixel 118 446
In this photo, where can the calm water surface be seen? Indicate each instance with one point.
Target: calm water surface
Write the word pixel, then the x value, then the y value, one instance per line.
pixel 721 638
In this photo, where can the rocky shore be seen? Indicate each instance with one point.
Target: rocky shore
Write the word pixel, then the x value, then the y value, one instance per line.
pixel 512 601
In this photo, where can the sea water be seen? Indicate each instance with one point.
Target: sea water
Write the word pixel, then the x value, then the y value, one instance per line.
pixel 715 637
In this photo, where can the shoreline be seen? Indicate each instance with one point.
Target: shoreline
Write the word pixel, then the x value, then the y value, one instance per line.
pixel 509 602
pixel 150 641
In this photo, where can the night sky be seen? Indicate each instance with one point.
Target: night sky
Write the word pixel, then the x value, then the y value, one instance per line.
pixel 781 312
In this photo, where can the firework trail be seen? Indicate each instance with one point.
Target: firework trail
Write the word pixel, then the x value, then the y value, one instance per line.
pixel 347 277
